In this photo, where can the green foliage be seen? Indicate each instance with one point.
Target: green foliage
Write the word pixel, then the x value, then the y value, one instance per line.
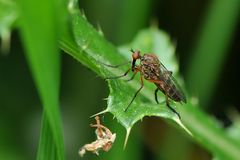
pixel 40 38
pixel 92 47
pixel 97 49
pixel 40 41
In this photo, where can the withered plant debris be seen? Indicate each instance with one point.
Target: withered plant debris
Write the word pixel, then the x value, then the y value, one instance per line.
pixel 104 141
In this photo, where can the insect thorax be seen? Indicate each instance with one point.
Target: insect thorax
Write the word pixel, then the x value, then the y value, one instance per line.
pixel 150 67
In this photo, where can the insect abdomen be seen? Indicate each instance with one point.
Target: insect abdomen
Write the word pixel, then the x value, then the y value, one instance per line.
pixel 172 92
pixel 175 94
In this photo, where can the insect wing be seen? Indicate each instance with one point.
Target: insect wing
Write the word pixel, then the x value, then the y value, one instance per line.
pixel 170 81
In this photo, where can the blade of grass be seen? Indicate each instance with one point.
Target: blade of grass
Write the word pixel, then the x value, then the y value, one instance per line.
pixel 47 147
pixel 211 47
pixel 40 25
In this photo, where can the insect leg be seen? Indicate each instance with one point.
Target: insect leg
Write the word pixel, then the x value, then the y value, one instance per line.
pixel 135 95
pixel 116 77
pixel 155 93
pixel 134 74
pixel 114 66
pixel 172 109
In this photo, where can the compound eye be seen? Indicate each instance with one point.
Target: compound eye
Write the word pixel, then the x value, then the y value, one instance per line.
pixel 136 55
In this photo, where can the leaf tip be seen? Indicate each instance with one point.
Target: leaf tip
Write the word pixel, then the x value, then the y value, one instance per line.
pixel 183 126
pixel 126 138
pixel 83 14
pixel 105 99
pixel 102 112
pixel 99 29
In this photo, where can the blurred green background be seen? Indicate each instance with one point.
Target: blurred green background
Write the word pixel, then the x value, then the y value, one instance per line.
pixel 207 34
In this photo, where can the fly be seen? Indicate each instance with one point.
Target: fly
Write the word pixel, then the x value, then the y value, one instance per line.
pixel 151 69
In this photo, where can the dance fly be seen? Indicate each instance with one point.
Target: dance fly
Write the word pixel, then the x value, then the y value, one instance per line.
pixel 151 69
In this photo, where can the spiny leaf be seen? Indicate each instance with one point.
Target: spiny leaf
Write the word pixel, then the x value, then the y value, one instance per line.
pixel 89 48
pixel 95 48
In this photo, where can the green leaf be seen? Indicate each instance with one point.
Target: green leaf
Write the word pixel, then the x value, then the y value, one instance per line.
pixel 40 25
pixel 91 43
pixel 89 47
